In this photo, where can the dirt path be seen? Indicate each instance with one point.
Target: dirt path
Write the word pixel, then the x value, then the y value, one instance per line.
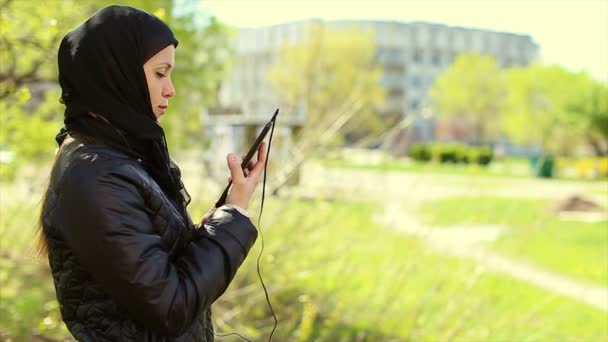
pixel 403 192
pixel 414 187
pixel 468 242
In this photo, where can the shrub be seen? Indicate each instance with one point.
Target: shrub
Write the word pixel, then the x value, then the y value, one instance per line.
pixel 420 152
pixel 442 153
pixel 484 155
pixel 451 153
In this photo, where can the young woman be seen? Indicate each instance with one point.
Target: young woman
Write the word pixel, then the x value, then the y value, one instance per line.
pixel 128 263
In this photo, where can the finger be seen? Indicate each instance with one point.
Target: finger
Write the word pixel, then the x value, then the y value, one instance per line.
pixel 249 165
pixel 235 169
pixel 258 168
pixel 262 152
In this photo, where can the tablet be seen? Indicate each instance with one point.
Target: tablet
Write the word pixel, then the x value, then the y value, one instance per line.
pixel 249 156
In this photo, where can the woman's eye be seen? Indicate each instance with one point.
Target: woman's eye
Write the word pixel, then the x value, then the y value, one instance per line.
pixel 160 75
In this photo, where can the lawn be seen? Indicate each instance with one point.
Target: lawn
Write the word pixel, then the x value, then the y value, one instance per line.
pixel 333 275
pixel 351 277
pixel 506 168
pixel 534 234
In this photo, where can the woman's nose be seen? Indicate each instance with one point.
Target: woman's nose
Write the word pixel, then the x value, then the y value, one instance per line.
pixel 169 90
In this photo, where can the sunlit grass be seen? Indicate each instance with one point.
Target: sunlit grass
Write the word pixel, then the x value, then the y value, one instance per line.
pixel 333 275
pixel 504 168
pixel 381 284
pixel 533 233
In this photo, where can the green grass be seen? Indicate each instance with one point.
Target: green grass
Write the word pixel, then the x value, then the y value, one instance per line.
pixel 333 275
pixel 600 189
pixel 514 168
pixel 533 233
pixel 27 297
pixel 353 273
pixel 506 167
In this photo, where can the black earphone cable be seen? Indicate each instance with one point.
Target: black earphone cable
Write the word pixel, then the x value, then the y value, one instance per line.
pixel 262 235
pixel 276 322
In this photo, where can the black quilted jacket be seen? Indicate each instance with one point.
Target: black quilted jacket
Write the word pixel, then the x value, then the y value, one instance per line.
pixel 126 265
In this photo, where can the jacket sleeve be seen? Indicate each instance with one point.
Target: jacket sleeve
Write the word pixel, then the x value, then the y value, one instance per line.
pixel 108 228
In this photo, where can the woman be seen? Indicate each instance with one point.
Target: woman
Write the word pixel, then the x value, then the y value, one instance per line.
pixel 128 264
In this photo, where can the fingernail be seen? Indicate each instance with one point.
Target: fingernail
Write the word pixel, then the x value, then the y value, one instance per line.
pixel 232 157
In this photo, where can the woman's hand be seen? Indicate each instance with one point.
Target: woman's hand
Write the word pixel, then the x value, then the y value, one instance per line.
pixel 244 183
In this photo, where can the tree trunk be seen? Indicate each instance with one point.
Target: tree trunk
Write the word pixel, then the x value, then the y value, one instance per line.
pixel 595 145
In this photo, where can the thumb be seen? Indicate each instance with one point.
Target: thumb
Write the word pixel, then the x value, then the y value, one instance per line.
pixel 235 169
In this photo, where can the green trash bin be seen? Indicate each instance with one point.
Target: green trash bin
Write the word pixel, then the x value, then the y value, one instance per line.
pixel 543 166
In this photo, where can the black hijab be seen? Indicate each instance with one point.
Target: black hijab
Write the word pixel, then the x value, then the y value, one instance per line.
pixel 101 72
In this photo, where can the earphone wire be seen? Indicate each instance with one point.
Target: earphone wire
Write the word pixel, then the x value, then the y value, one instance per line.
pixel 276 322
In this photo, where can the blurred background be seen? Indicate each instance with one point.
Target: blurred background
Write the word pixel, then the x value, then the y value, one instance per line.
pixel 439 169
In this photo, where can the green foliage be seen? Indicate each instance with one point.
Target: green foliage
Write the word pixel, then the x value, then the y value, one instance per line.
pixel 589 114
pixel 29 136
pixel 470 89
pixel 204 58
pixel 481 155
pixel 451 153
pixel 27 295
pixel 31 32
pixel 535 109
pixel 420 152
pixel 332 75
pixel 547 106
pixel 448 153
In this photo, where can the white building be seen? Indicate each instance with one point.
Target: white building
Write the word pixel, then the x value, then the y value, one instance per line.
pixel 412 54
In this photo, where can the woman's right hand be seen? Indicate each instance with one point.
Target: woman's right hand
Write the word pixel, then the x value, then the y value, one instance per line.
pixel 244 183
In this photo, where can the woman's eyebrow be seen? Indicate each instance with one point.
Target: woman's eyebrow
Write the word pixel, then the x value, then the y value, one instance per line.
pixel 169 66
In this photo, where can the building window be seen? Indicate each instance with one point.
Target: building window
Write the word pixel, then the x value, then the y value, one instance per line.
pixel 417 56
pixel 468 41
pixel 436 59
pixel 486 44
pixel 414 104
pixel 415 82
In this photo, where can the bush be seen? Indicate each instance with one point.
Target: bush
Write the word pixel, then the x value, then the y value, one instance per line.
pixel 443 153
pixel 420 152
pixel 461 153
pixel 452 153
pixel 484 155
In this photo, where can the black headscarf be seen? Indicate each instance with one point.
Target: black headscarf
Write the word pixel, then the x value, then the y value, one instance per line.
pixel 101 72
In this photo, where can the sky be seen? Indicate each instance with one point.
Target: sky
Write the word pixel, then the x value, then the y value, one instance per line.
pixel 573 34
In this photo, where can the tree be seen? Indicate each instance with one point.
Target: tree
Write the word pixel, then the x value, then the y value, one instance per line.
pixel 204 58
pixel 30 33
pixel 332 75
pixel 29 95
pixel 590 110
pixel 537 108
pixel 470 89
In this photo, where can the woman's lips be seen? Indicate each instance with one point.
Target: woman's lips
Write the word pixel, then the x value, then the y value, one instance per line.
pixel 162 109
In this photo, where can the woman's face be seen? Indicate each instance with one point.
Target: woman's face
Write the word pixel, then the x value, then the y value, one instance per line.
pixel 158 74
